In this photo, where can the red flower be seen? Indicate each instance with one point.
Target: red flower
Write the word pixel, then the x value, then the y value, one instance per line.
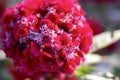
pixel 59 76
pixel 96 26
pixel 46 36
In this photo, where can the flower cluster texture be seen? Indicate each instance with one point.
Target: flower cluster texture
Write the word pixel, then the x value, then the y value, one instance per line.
pixel 43 36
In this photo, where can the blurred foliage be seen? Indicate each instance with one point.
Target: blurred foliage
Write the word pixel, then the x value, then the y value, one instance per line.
pixel 4 74
pixel 84 70
pixel 116 71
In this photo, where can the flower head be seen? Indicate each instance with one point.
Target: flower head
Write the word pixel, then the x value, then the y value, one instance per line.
pixel 46 36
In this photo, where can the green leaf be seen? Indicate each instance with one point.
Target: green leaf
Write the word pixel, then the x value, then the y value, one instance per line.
pixel 84 70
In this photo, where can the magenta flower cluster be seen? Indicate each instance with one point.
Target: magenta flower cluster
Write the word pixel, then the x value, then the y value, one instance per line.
pixel 45 36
